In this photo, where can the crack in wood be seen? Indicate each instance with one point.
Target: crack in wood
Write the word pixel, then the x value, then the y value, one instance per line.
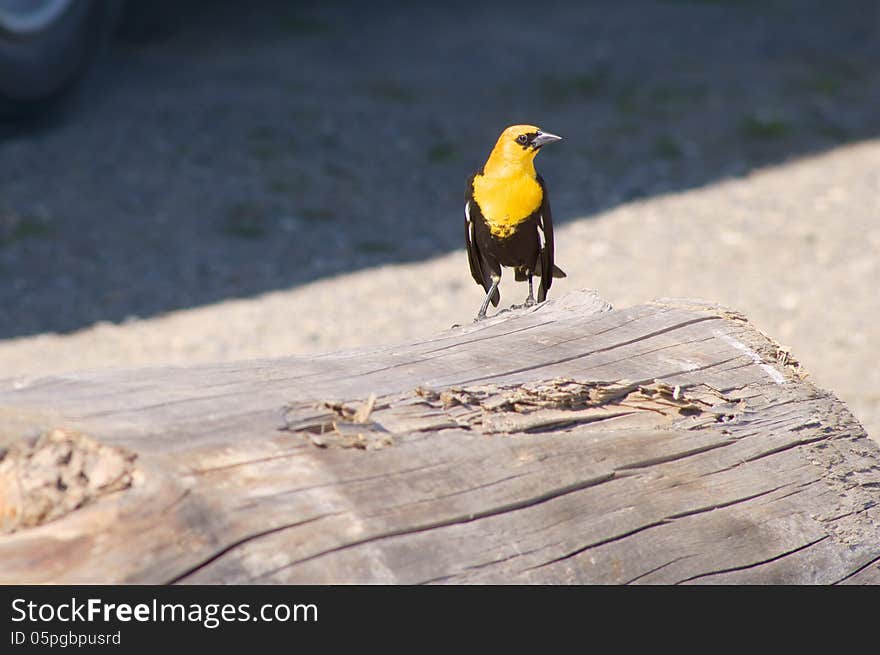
pixel 476 567
pixel 788 446
pixel 653 524
pixel 460 492
pixel 470 342
pixel 455 520
pixel 348 481
pixel 657 568
pixel 688 371
pixel 164 404
pixel 677 344
pixel 596 544
pixel 180 577
pixel 753 565
pixel 297 452
pixel 592 335
pixel 676 456
pixel 577 356
pixel 735 501
pixel 854 573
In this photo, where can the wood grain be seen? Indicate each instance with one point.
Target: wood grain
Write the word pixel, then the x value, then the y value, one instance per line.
pixel 670 442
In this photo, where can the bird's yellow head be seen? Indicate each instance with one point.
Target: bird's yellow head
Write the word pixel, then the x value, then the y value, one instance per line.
pixel 514 153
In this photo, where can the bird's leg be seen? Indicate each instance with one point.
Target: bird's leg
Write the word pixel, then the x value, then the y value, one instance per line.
pixel 482 313
pixel 531 299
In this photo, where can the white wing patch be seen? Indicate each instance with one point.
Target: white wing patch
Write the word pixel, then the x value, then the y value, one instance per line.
pixel 541 239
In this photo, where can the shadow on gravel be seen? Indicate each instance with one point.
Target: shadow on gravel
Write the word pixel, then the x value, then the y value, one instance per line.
pixel 222 151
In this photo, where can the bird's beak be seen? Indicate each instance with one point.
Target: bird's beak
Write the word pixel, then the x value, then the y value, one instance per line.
pixel 543 138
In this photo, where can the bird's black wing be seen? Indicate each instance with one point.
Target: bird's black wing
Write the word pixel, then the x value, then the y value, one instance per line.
pixel 473 220
pixel 472 214
pixel 545 235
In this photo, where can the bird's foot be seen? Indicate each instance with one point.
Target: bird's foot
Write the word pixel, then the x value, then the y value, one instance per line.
pixel 530 302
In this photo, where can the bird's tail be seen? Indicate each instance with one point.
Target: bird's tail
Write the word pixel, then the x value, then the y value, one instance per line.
pixel 557 272
pixel 542 291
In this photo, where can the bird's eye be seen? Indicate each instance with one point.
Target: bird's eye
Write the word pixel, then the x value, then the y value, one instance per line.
pixel 522 139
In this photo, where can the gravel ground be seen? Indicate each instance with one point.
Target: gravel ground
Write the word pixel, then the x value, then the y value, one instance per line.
pixel 290 180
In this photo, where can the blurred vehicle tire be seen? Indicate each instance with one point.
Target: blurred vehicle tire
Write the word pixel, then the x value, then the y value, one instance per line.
pixel 46 46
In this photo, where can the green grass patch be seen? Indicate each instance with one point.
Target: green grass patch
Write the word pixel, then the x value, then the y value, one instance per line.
pixel 763 127
pixel 305 26
pixel 262 143
pixel 246 221
pixel 623 128
pixel 634 99
pixel 821 83
pixel 730 3
pixel 668 96
pixel 563 88
pixel 318 214
pixel 267 144
pixel 338 171
pixel 627 100
pixel 441 152
pixel 15 226
pixel 828 77
pixel 667 147
pixel 291 185
pixel 392 91
pixel 376 247
pixel 834 132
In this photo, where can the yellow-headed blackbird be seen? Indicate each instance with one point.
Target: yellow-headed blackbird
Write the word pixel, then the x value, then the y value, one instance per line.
pixel 507 216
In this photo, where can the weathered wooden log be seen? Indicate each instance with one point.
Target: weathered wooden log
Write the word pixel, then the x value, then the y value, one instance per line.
pixel 670 442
